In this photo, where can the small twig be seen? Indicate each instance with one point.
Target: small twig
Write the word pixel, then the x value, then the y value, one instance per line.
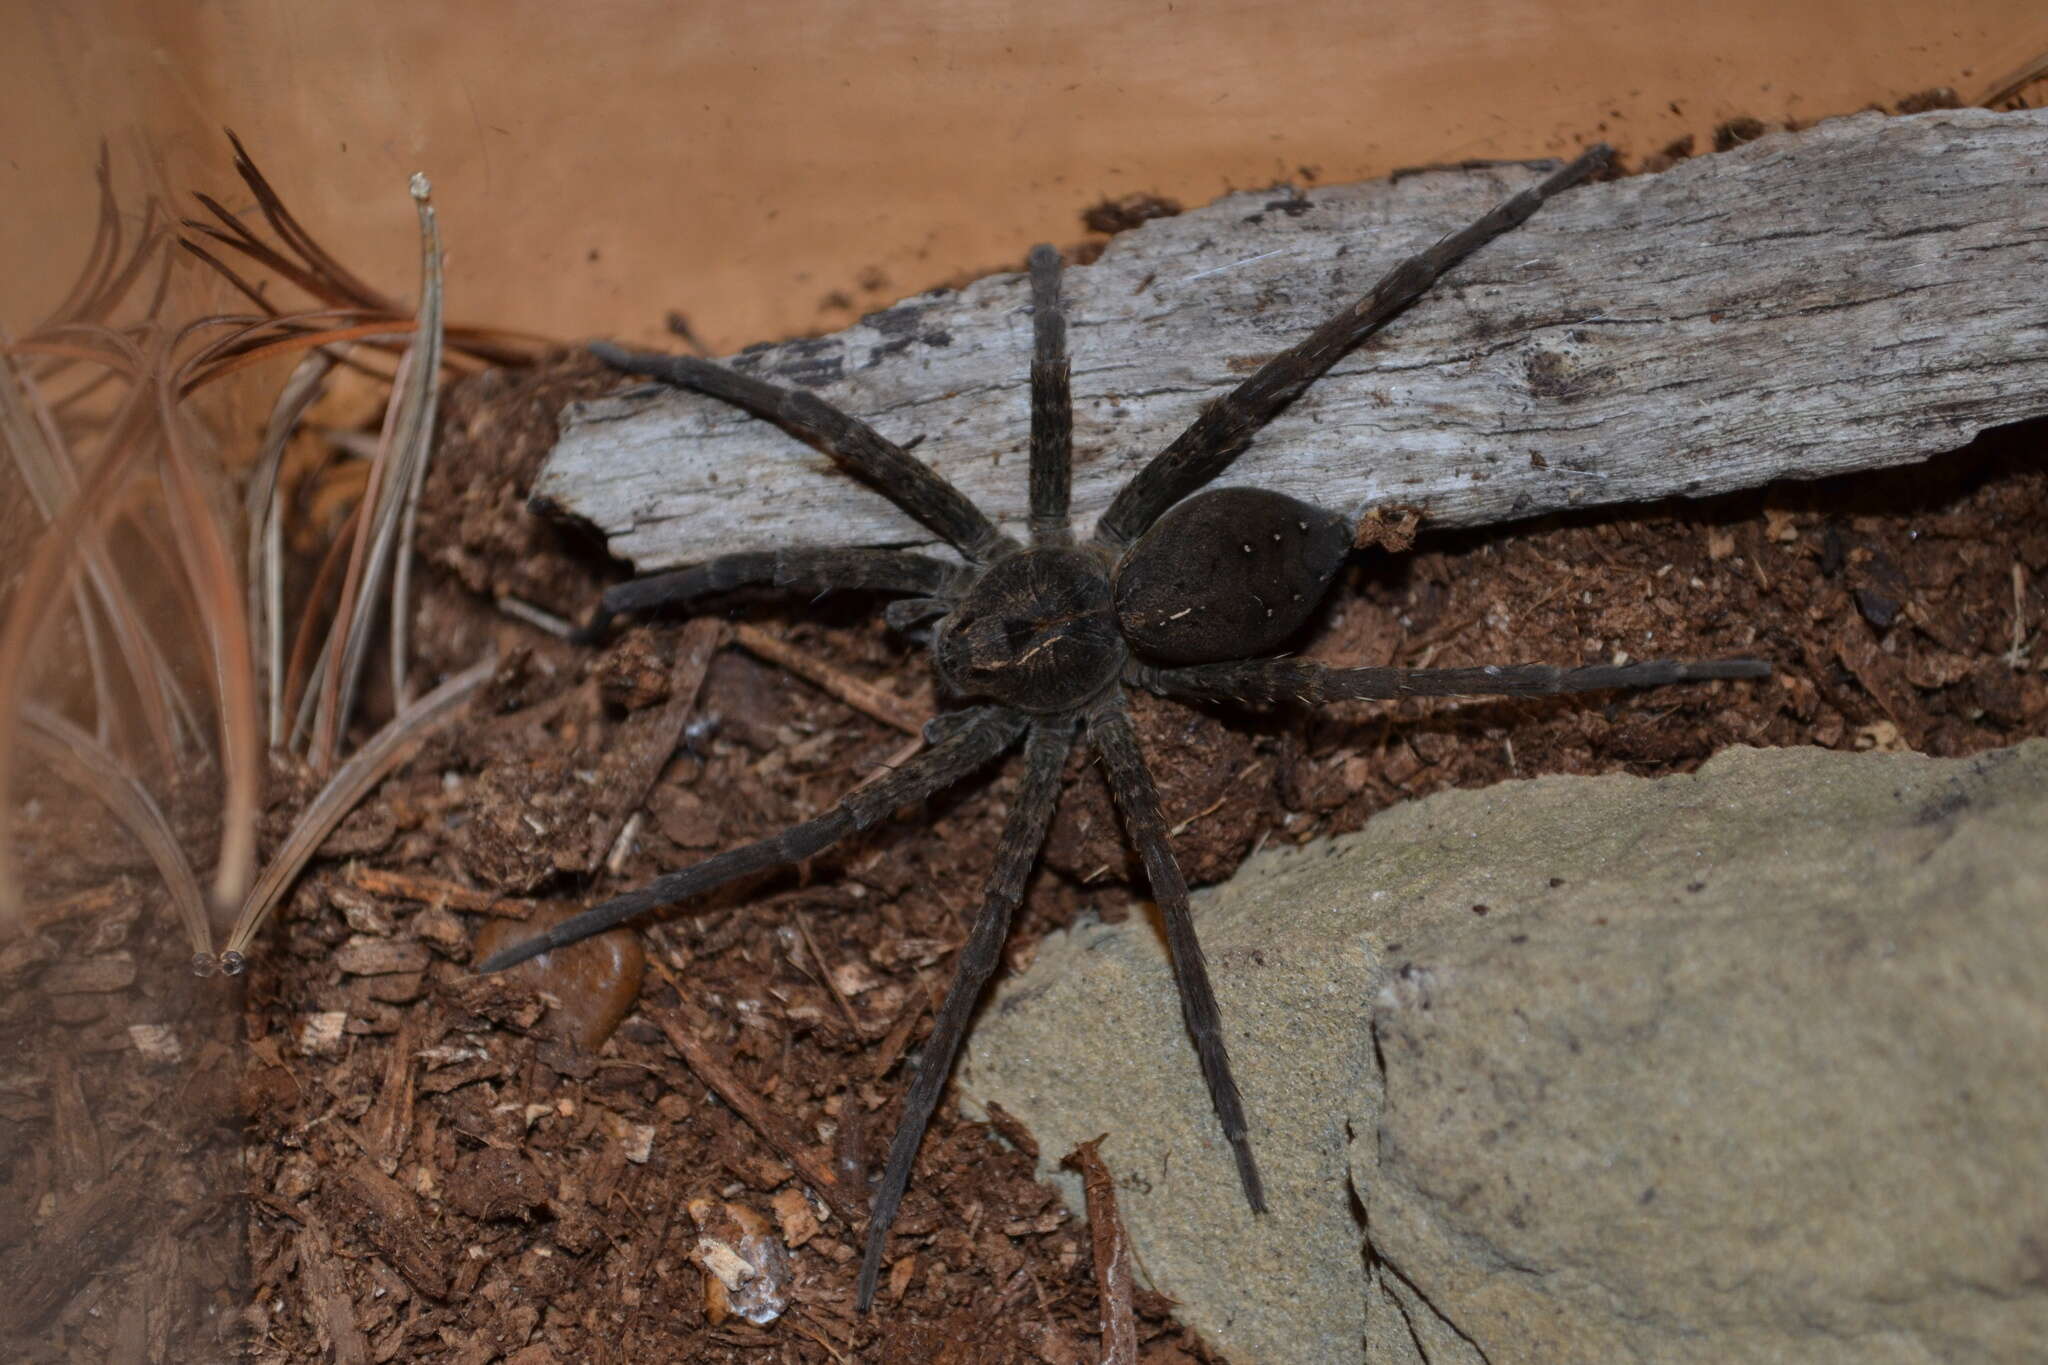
pixel 899 1033
pixel 615 860
pixel 678 1025
pixel 1012 1128
pixel 803 927
pixel 94 900
pixel 679 327
pixel 1218 803
pixel 801 1326
pixel 700 640
pixel 901 755
pixel 1112 1252
pixel 435 891
pixel 2014 81
pixel 519 609
pixel 862 696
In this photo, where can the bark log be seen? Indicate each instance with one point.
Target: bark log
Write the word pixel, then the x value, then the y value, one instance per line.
pixel 1867 292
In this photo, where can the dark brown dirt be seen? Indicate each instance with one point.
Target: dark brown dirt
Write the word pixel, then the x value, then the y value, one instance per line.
pixel 480 1190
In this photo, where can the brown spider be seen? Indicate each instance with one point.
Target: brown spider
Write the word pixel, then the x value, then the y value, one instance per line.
pixel 1174 593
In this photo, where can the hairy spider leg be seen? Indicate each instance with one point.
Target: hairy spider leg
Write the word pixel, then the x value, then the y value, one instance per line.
pixel 1277 680
pixel 817 570
pixel 1045 756
pixel 1130 782
pixel 891 470
pixel 1052 406
pixel 1227 425
pixel 970 740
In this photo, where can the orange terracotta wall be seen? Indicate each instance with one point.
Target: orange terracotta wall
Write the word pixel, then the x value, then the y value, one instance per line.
pixel 598 164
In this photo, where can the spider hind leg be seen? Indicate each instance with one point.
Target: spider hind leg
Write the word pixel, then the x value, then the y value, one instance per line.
pixel 1137 798
pixel 813 570
pixel 1266 681
pixel 1045 757
pixel 963 743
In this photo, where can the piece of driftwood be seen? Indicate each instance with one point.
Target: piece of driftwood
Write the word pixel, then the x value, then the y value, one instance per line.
pixel 1867 292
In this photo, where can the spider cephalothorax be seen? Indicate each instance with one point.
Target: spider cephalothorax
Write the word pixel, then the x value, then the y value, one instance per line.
pixel 1037 631
pixel 1182 592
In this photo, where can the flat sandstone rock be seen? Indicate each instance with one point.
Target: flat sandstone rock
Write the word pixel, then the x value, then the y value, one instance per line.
pixel 1750 1064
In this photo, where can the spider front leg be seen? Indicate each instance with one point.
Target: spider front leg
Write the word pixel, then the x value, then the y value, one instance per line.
pixel 1052 404
pixel 1227 425
pixel 891 470
pixel 815 570
pixel 1130 782
pixel 1045 755
pixel 970 739
pixel 1303 680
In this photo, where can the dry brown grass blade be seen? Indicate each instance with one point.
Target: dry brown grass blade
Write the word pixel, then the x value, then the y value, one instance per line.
pixel 1112 1252
pixel 37 597
pixel 241 337
pixel 417 404
pixel 221 267
pixel 102 284
pixel 302 671
pixel 33 437
pixel 86 348
pixel 210 571
pixel 350 783
pixel 262 510
pixel 239 239
pixel 104 279
pixel 157 365
pixel 395 478
pixel 295 236
pixel 356 601
pixel 106 241
pixel 98 667
pixel 312 269
pixel 490 345
pixel 84 763
pixel 114 289
pixel 376 333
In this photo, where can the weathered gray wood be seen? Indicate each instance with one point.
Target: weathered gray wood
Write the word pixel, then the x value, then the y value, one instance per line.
pixel 1865 293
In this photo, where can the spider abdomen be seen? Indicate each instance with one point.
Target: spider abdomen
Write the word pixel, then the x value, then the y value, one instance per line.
pixel 1227 574
pixel 1036 631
